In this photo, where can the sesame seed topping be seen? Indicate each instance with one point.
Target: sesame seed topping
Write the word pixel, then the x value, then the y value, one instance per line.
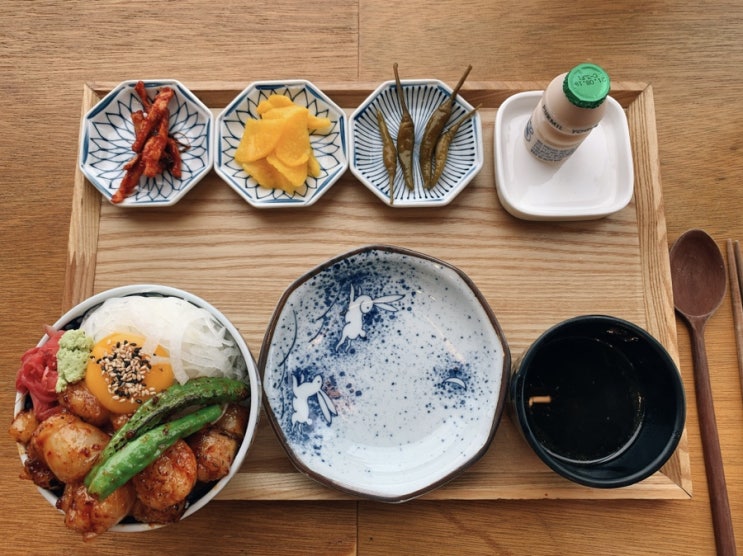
pixel 125 368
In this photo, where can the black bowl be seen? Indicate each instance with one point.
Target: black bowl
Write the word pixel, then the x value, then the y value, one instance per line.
pixel 600 401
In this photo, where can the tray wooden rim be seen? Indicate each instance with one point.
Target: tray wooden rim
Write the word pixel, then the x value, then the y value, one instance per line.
pixel 672 482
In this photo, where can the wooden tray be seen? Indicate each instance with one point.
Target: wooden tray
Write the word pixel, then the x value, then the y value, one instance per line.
pixel 533 275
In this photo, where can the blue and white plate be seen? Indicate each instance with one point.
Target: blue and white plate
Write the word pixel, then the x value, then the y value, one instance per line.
pixel 384 373
pixel 465 159
pixel 330 147
pixel 107 135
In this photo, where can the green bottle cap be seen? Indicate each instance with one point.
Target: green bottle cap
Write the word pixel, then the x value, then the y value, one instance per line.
pixel 586 85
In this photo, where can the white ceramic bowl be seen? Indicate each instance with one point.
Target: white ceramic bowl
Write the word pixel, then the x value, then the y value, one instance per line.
pixel 384 373
pixel 107 135
pixel 75 315
pixel 330 147
pixel 464 161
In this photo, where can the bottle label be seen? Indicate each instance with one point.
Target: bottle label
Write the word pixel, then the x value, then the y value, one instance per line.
pixel 543 151
pixel 564 129
pixel 550 154
pixel 550 119
pixel 529 131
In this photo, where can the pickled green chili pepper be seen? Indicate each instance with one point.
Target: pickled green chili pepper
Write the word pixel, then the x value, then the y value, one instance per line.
pixel 442 146
pixel 434 127
pixel 389 153
pixel 405 137
pixel 141 452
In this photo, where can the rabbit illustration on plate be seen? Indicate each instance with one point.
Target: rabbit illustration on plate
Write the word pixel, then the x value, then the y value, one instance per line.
pixel 300 403
pixel 357 308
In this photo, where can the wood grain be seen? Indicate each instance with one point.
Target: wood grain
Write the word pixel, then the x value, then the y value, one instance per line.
pixel 215 245
pixel 687 54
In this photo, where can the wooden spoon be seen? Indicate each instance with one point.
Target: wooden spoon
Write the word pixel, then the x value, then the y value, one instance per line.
pixel 699 284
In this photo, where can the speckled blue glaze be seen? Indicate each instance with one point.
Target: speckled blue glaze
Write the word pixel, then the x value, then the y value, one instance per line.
pixel 384 373
pixel 108 133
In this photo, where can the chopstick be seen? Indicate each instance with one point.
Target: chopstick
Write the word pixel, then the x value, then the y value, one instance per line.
pixel 735 270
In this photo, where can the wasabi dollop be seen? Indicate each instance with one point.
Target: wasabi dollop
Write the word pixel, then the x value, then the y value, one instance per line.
pixel 72 357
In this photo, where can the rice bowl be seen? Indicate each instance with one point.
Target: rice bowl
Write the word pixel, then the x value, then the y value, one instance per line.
pixel 245 365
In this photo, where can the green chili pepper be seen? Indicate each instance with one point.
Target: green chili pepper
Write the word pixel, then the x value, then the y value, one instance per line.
pixel 434 127
pixel 442 146
pixel 201 391
pixel 405 137
pixel 389 154
pixel 142 451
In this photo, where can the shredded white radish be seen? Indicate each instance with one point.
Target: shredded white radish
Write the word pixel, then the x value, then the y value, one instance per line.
pixel 197 343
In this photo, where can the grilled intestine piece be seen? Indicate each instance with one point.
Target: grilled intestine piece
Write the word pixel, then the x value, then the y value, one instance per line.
pixel 215 446
pixel 88 515
pixel 67 445
pixel 169 479
pixel 80 401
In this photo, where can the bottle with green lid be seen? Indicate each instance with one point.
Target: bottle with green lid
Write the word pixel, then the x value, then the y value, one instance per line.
pixel 571 106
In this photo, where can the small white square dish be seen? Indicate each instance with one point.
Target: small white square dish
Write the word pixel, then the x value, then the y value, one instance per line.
pixel 596 181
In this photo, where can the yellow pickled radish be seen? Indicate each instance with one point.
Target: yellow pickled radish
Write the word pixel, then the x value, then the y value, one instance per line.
pixel 276 149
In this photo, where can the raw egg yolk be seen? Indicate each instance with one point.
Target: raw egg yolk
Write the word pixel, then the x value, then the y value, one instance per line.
pixel 122 376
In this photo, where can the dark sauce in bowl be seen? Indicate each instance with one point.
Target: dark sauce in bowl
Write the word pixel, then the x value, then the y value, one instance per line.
pixel 583 400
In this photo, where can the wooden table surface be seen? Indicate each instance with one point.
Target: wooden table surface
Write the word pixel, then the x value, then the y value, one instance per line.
pixel 689 53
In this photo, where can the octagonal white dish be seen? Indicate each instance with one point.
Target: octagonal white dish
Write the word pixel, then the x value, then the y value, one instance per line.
pixel 107 134
pixel 465 159
pixel 330 147
pixel 596 181
pixel 384 373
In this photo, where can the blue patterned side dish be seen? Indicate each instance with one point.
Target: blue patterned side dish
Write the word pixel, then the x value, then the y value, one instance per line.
pixel 108 133
pixel 464 161
pixel 330 147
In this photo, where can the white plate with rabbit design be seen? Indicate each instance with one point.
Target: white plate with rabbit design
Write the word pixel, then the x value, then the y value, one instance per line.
pixel 384 372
